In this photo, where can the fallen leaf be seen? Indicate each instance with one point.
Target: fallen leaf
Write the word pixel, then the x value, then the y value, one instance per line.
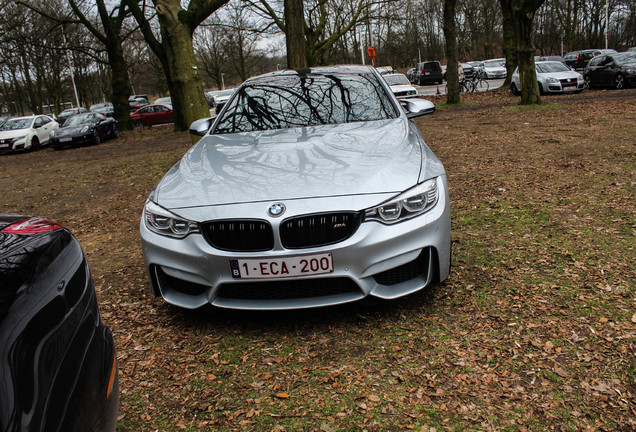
pixel 374 398
pixel 282 395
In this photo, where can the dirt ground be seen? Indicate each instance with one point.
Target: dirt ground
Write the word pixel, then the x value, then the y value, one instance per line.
pixel 535 329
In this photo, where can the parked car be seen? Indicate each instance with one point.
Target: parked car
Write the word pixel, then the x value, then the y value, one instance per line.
pixel 61 117
pixel 137 103
pixel 164 101
pixel 429 72
pixel 553 77
pixel 551 58
pixel 221 97
pixel 578 60
pixel 105 108
pixel 411 75
pixel 312 188
pixel 632 49
pixel 3 120
pixel 88 128
pixel 57 358
pixel 30 132
pixel 385 70
pixel 469 70
pixel 444 67
pixel 612 70
pixel 492 69
pixel 152 115
pixel 400 85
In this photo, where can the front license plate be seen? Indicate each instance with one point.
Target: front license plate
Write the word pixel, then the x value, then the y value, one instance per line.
pixel 66 139
pixel 305 265
pixel 4 145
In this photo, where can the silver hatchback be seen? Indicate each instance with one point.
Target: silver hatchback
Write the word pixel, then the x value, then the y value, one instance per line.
pixel 311 188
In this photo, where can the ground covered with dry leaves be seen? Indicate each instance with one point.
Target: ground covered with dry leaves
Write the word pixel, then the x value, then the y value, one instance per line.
pixel 535 329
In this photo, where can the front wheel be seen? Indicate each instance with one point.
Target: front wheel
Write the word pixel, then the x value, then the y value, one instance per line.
pixel 619 81
pixel 481 85
pixel 96 137
pixel 514 89
pixel 140 124
pixel 114 132
pixel 35 143
pixel 588 82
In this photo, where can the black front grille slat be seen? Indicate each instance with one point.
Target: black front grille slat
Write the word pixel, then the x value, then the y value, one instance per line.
pixel 239 235
pixel 286 290
pixel 318 230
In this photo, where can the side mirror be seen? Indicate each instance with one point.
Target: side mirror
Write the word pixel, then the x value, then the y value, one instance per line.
pixel 417 107
pixel 201 126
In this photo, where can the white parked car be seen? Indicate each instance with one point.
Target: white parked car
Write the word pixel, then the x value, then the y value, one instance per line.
pixel 553 77
pixel 29 132
pixel 492 69
pixel 221 97
pixel 400 85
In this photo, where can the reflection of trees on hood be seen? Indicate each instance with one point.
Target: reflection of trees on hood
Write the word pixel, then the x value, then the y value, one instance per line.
pixel 306 100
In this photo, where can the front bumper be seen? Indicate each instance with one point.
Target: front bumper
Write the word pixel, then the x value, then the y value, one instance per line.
pixel 61 141
pixel 384 261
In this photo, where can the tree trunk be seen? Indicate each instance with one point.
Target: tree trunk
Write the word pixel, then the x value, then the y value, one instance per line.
pixel 295 34
pixel 450 34
pixel 120 85
pixel 509 42
pixel 523 22
pixel 186 87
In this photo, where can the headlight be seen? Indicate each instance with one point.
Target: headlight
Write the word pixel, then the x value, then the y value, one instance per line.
pixel 630 71
pixel 84 129
pixel 551 80
pixel 161 221
pixel 407 205
pixel 16 139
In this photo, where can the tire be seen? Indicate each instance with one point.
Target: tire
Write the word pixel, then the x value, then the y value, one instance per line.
pixel 96 137
pixel 114 132
pixel 421 82
pixel 35 143
pixel 619 81
pixel 540 88
pixel 140 124
pixel 482 86
pixel 588 82
pixel 513 88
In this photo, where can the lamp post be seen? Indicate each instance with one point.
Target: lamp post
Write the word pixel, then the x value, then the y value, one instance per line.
pixel 222 82
pixel 70 65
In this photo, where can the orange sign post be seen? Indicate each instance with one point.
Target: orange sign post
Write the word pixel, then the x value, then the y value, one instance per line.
pixel 371 52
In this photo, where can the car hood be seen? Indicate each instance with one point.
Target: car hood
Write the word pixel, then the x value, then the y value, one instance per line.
pixel 560 75
pixel 306 162
pixel 70 130
pixel 13 133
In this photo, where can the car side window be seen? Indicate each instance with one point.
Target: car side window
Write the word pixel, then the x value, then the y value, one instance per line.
pixel 160 109
pixel 38 123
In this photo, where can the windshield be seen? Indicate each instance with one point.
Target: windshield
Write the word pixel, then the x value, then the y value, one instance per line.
pixel 552 67
pixel 492 64
pixel 79 119
pixel 17 124
pixel 397 80
pixel 304 100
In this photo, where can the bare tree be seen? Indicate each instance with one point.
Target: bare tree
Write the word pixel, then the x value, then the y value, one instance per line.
pixel 450 33
pixel 175 50
pixel 522 13
pixel 110 36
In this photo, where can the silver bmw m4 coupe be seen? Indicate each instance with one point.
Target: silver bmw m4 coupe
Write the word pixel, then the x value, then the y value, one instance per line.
pixel 312 187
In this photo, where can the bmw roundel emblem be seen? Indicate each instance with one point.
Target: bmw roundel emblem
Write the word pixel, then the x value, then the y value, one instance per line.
pixel 276 210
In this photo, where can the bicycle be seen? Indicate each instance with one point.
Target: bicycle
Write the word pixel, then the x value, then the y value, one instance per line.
pixel 465 86
pixel 480 84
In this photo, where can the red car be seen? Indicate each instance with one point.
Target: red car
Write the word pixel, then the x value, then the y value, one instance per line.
pixel 151 115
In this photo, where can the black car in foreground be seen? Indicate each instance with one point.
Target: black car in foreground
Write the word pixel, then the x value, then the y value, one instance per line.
pixel 611 70
pixel 87 128
pixel 58 366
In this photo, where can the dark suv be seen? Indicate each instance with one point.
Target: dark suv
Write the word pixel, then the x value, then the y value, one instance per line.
pixel 579 59
pixel 428 72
